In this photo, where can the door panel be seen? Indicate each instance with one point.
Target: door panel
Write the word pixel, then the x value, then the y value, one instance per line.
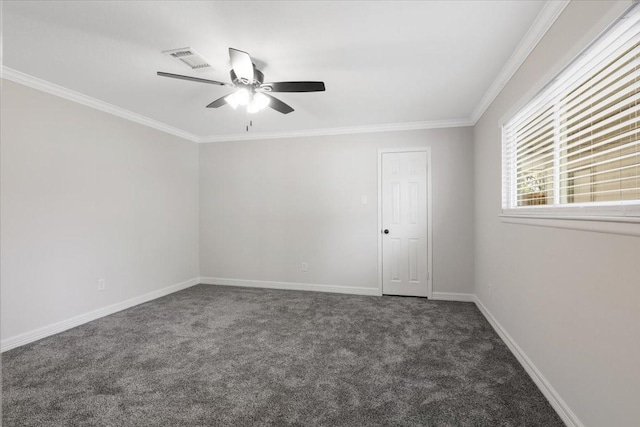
pixel 404 214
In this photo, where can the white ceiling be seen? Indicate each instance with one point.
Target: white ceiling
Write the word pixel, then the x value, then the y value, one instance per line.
pixel 383 62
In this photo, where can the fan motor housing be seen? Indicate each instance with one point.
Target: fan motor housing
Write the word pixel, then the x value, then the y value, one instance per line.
pixel 258 78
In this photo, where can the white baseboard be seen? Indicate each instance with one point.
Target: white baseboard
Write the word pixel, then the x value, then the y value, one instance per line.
pixel 289 286
pixel 453 296
pixel 55 328
pixel 292 286
pixel 560 406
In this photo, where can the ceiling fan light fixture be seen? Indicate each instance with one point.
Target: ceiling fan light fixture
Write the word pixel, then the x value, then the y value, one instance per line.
pixel 239 97
pixel 259 102
pixel 231 100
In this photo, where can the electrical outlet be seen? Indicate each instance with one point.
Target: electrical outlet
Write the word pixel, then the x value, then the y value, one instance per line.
pixel 305 268
pixel 102 285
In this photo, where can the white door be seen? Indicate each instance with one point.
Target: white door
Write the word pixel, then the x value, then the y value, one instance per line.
pixel 404 224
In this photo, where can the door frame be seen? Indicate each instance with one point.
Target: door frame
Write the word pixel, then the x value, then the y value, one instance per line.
pixel 427 150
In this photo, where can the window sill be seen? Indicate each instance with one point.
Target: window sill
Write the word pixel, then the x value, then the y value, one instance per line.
pixel 627 226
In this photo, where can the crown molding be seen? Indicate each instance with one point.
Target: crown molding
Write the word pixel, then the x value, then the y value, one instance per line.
pixel 62 92
pixel 393 127
pixel 545 19
pixel 71 95
pixel 547 16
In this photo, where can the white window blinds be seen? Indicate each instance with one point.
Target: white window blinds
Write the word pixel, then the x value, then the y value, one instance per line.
pixel 577 144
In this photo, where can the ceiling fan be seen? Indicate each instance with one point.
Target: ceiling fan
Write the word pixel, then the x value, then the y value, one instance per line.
pixel 251 91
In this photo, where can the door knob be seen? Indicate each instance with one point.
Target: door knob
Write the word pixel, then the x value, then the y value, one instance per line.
pixel 386 231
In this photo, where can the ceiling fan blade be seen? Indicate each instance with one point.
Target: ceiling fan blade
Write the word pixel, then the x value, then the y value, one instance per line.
pixel 278 105
pixel 193 79
pixel 242 65
pixel 293 87
pixel 218 102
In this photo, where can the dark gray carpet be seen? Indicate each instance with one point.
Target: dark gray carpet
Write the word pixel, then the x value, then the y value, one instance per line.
pixel 220 356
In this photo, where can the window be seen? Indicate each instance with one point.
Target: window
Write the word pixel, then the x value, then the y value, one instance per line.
pixel 575 148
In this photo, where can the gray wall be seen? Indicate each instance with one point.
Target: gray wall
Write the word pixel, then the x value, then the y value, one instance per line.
pixel 570 299
pixel 267 206
pixel 86 195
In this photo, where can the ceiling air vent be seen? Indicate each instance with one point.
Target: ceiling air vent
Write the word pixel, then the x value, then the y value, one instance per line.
pixel 188 57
